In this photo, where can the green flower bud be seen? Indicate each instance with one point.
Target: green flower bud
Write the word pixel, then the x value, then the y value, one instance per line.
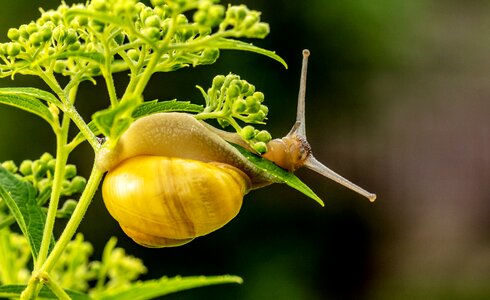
pixel 152 21
pixel 218 81
pixel 78 184
pixel 259 96
pixel 13 34
pixel 236 14
pixel 260 147
pixel 239 106
pixel 70 171
pixel 200 17
pixel 71 36
pixel 75 46
pixel 223 123
pixel 31 28
pixel 133 54
pixel 151 33
pixel 264 109
pixel 46 157
pixel 46 33
pixel 253 106
pixel 248 132
pixel 59 33
pixel 35 39
pixel 67 209
pixel 65 186
pixel 3 49
pixel 10 166
pixel 209 56
pixel 251 19
pixel 51 165
pixel 23 31
pixel 26 167
pixel 13 49
pixel 39 168
pixel 257 117
pixel 263 136
pixel 259 30
pixel 44 184
pixel 233 91
pixel 60 66
pixel 215 14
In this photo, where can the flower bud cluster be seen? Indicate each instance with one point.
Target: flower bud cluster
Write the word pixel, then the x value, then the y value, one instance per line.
pixel 230 98
pixel 74 270
pixel 244 22
pixel 40 174
pixel 82 39
pixel 209 14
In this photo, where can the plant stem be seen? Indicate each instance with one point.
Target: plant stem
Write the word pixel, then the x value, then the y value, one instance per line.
pixel 61 159
pixel 76 218
pixel 55 287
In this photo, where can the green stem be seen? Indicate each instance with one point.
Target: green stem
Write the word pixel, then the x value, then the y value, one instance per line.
pixel 145 77
pixel 61 159
pixel 107 73
pixel 83 127
pixel 55 287
pixel 76 218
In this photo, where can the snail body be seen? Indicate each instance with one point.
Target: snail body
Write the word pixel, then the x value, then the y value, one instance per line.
pixel 171 178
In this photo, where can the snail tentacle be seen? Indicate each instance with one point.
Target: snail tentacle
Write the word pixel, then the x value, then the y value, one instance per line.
pixel 293 151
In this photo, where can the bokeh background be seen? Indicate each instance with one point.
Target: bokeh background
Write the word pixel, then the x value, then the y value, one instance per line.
pixel 398 101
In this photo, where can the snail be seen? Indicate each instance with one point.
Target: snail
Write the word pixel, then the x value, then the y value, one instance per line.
pixel 172 178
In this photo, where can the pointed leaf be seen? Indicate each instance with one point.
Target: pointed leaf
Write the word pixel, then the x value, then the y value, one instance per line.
pixel 155 288
pixel 14 291
pixel 280 174
pixel 112 122
pixel 231 44
pixel 33 92
pixel 151 107
pixel 20 197
pixel 27 103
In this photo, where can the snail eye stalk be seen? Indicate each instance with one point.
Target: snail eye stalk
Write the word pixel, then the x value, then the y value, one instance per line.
pixel 299 132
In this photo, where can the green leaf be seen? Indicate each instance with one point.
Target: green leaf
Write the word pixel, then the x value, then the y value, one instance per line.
pixel 281 175
pixel 151 107
pixel 27 103
pixel 33 92
pixel 20 197
pixel 160 287
pixel 14 291
pixel 112 122
pixel 230 44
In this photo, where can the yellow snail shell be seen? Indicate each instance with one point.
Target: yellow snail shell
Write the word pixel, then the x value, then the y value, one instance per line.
pixel 161 201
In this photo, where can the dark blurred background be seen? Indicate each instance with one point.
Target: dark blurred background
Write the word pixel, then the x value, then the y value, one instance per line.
pixel 398 101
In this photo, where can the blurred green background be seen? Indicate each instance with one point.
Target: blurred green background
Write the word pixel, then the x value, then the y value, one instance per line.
pixel 398 101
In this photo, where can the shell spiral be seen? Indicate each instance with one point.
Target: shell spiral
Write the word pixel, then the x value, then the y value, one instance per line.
pixel 162 202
